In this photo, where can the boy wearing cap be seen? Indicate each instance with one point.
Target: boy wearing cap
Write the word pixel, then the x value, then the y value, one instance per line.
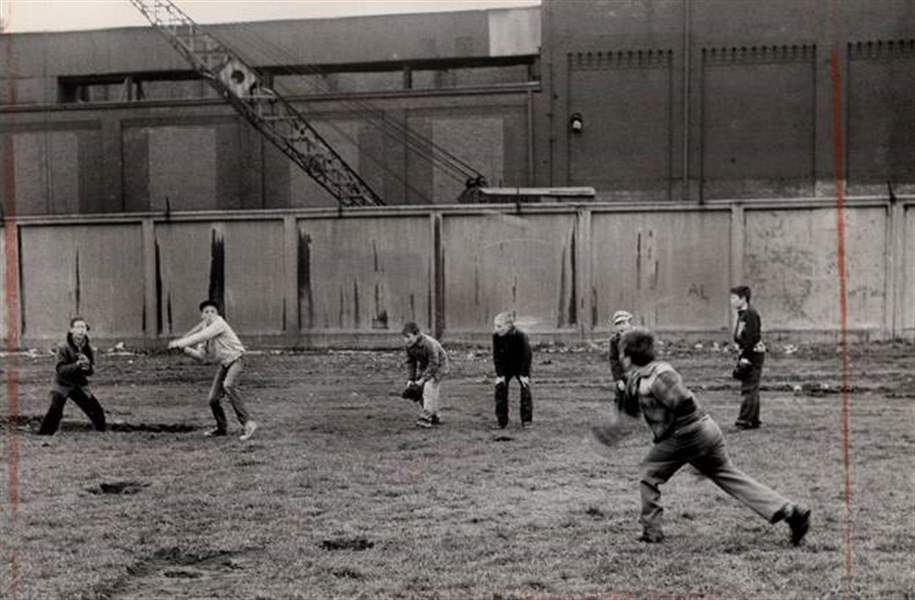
pixel 511 353
pixel 621 323
pixel 75 363
pixel 219 343
pixel 426 365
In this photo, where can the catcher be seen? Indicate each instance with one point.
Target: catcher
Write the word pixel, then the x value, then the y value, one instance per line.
pixel 75 363
pixel 684 433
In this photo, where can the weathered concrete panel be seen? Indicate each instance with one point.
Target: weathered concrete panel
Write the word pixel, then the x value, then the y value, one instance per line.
pixel 364 274
pixel 237 263
pixel 95 271
pixel 182 168
pixel 669 269
pixel 908 278
pixel 496 262
pixel 790 262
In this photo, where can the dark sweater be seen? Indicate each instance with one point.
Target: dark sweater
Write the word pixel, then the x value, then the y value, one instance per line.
pixel 748 332
pixel 68 374
pixel 512 354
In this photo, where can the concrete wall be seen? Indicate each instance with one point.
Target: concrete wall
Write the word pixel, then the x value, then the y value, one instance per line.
pixel 321 278
pixel 714 99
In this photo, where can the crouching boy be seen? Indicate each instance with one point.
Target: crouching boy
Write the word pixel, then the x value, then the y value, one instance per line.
pixel 426 365
pixel 75 363
pixel 511 353
pixel 219 343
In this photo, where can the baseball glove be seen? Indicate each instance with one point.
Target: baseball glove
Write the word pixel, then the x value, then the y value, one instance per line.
pixel 609 434
pixel 413 391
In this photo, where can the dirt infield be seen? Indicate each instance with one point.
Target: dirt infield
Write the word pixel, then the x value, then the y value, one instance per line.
pixel 338 495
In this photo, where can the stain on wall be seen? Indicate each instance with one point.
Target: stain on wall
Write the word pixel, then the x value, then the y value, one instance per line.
pixel 92 270
pixel 498 262
pixel 790 262
pixel 365 273
pixel 653 263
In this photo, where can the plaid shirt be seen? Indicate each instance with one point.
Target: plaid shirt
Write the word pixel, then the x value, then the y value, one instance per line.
pixel 662 399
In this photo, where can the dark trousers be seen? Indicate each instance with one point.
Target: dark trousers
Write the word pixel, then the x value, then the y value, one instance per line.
pixel 701 445
pixel 527 402
pixel 749 393
pixel 225 383
pixel 83 399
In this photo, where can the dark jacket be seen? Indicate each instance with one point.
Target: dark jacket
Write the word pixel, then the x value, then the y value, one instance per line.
pixel 426 359
pixel 68 374
pixel 511 353
pixel 748 333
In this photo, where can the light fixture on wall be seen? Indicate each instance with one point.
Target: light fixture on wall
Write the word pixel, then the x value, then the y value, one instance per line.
pixel 576 123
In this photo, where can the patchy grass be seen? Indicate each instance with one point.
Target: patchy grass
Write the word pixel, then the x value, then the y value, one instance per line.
pixel 339 496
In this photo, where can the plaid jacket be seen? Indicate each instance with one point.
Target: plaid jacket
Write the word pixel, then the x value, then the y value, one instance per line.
pixel 656 391
pixel 426 359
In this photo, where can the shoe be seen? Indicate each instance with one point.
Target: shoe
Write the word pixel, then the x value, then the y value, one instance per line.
pixel 436 420
pixel 526 424
pixel 799 522
pixel 214 432
pixel 424 422
pixel 651 538
pixel 742 425
pixel 250 428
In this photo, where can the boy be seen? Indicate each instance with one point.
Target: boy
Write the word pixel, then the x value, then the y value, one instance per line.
pixel 426 365
pixel 748 336
pixel 221 344
pixel 621 323
pixel 683 433
pixel 75 363
pixel 511 353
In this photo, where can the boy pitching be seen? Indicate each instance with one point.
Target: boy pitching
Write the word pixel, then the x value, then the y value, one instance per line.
pixel 683 433
pixel 219 343
pixel 426 365
pixel 511 353
pixel 75 363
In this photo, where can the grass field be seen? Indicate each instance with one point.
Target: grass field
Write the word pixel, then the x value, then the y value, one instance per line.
pixel 340 496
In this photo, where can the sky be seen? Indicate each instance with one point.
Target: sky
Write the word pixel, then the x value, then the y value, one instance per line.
pixel 61 15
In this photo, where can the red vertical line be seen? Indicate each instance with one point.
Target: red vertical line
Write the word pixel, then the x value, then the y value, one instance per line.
pixel 838 160
pixel 11 281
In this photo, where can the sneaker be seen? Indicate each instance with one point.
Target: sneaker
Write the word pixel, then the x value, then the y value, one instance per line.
pixel 250 428
pixel 424 422
pixel 742 425
pixel 214 432
pixel 799 522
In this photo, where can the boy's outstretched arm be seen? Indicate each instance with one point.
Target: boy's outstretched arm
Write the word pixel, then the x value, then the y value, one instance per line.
pixel 210 331
pixel 194 352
